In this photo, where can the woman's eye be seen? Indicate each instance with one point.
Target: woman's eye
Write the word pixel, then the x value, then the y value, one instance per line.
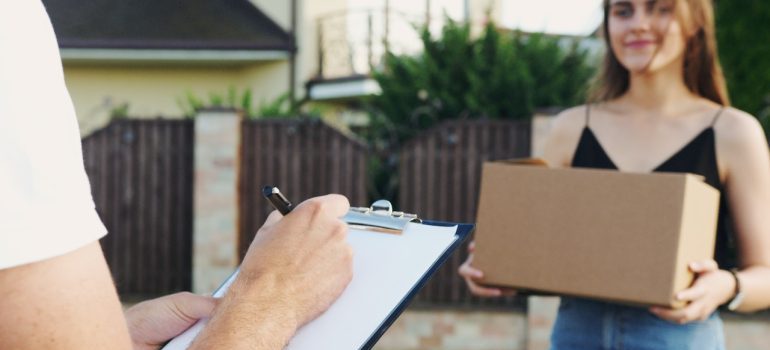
pixel 623 12
pixel 660 7
pixel 664 10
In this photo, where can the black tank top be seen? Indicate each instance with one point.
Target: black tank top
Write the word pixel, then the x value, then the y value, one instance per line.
pixel 696 157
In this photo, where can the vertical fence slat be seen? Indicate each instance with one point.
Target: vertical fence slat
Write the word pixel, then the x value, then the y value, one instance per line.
pixel 306 157
pixel 439 175
pixel 141 179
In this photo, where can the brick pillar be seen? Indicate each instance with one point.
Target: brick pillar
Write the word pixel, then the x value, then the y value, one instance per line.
pixel 541 315
pixel 215 210
pixel 541 126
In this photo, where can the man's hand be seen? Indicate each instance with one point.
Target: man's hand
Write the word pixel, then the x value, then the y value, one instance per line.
pixel 294 269
pixel 305 253
pixel 153 322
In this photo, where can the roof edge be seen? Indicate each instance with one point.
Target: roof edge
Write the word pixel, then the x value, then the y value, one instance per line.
pixel 166 55
pixel 171 44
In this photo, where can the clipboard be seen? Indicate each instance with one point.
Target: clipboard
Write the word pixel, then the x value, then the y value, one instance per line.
pixel 464 231
pixel 378 225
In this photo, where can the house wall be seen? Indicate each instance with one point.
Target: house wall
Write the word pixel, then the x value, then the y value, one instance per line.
pixel 484 10
pixel 278 10
pixel 153 91
pixel 308 12
pixel 307 36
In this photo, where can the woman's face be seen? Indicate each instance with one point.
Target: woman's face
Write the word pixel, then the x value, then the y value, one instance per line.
pixel 645 34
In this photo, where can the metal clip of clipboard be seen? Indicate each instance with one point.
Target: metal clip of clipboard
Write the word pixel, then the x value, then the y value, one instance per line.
pixel 379 217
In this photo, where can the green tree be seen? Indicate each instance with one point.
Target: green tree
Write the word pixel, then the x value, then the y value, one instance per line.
pixel 501 85
pixel 496 75
pixel 744 50
pixel 279 107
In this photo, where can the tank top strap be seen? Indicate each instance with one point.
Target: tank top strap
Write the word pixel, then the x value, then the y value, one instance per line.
pixel 588 114
pixel 716 116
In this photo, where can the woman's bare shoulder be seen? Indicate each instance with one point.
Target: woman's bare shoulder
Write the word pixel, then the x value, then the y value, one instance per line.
pixel 736 126
pixel 563 136
pixel 569 122
pixel 739 135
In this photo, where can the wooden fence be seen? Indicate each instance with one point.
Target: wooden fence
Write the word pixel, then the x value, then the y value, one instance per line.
pixel 141 174
pixel 439 179
pixel 141 178
pixel 304 157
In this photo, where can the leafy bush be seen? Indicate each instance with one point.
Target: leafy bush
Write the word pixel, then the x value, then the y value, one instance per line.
pixel 744 52
pixel 497 75
pixel 280 107
pixel 764 117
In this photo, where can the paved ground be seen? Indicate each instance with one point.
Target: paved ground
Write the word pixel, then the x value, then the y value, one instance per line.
pixel 494 330
pixel 450 330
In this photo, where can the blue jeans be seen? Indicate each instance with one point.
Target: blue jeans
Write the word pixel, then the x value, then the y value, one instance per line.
pixel 588 324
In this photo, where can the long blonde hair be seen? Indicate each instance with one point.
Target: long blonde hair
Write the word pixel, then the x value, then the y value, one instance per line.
pixel 702 71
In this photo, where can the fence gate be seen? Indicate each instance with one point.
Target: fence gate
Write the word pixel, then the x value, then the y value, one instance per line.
pixel 304 158
pixel 141 179
pixel 439 177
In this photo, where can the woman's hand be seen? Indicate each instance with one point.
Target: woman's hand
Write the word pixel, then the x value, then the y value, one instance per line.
pixel 712 287
pixel 471 275
pixel 154 322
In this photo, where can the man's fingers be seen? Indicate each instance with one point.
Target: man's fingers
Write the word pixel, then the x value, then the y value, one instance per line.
pixel 472 247
pixel 333 205
pixel 191 307
pixel 273 218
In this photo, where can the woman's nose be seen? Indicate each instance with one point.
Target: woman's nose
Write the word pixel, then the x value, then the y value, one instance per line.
pixel 641 20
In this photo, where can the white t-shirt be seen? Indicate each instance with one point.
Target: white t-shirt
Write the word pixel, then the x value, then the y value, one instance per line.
pixel 46 208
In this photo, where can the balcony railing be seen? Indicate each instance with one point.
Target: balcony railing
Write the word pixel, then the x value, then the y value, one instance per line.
pixel 352 43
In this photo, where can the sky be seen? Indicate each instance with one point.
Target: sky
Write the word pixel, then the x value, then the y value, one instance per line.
pixel 577 17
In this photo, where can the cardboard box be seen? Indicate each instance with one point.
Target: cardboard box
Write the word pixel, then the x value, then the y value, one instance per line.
pixel 603 234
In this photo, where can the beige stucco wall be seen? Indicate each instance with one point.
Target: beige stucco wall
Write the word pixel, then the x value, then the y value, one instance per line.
pixel 278 10
pixel 153 91
pixel 308 12
pixel 307 36
pixel 482 10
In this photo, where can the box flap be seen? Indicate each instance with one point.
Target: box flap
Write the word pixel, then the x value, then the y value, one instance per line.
pixel 523 161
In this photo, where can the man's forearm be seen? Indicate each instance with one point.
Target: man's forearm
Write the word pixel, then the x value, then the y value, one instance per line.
pixel 255 314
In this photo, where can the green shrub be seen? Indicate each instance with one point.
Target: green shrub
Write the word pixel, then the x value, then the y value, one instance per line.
pixel 497 75
pixel 744 52
pixel 280 107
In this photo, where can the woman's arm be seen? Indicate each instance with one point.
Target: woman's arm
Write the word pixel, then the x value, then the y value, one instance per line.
pixel 557 152
pixel 746 158
pixel 744 162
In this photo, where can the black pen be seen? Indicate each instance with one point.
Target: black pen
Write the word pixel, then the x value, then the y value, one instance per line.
pixel 277 199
